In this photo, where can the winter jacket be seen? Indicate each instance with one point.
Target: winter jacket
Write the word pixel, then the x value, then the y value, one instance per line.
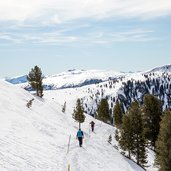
pixel 80 133
pixel 92 123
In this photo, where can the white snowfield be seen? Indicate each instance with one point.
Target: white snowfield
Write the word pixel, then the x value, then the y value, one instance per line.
pixel 76 77
pixel 36 138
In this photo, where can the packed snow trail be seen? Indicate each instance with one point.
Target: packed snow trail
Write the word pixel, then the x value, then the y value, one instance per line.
pixel 86 158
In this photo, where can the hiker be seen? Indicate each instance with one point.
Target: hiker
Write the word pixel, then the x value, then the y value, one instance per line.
pixel 92 125
pixel 80 136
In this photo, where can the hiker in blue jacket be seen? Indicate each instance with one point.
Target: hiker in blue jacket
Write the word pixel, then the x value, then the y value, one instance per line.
pixel 80 136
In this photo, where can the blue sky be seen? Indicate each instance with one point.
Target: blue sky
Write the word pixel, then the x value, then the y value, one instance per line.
pixel 58 35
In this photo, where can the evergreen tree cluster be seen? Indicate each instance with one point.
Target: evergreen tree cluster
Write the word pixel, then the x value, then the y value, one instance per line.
pixel 158 85
pixel 146 126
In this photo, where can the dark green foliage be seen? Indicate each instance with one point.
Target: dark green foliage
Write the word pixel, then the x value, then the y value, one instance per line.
pixel 163 144
pixel 132 134
pixel 161 90
pixel 110 139
pixel 139 141
pixel 126 135
pixel 64 107
pixel 135 90
pixel 35 80
pixel 117 135
pixel 103 111
pixel 29 103
pixel 152 117
pixel 117 114
pixel 78 113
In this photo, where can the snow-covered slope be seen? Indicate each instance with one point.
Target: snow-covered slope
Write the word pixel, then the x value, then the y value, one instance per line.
pixel 78 78
pixel 165 68
pixel 36 139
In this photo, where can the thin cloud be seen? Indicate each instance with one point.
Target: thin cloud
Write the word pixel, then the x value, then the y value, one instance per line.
pixel 59 11
pixel 44 38
pixel 8 37
pixel 138 35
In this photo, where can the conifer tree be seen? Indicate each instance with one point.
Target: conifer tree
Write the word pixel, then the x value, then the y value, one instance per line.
pixel 152 117
pixel 78 113
pixel 117 114
pixel 126 137
pixel 103 111
pixel 138 139
pixel 132 134
pixel 35 80
pixel 117 137
pixel 163 144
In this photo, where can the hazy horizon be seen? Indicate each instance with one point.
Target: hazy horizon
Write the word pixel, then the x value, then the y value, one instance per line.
pixel 45 74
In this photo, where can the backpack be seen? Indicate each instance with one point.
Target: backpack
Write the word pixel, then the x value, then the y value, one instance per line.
pixel 80 133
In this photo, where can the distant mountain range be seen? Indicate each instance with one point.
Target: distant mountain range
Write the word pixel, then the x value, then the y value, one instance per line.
pixel 69 79
pixel 126 87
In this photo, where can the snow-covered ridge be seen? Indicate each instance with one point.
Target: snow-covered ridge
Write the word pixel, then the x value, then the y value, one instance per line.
pixel 70 79
pixel 78 78
pixel 165 68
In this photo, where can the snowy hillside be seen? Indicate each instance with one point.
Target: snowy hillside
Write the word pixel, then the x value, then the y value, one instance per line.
pixel 129 88
pixel 165 68
pixel 37 138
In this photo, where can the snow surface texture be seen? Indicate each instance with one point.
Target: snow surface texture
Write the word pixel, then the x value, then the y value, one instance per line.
pixel 36 138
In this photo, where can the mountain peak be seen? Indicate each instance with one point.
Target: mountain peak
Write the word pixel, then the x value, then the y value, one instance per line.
pixel 165 68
